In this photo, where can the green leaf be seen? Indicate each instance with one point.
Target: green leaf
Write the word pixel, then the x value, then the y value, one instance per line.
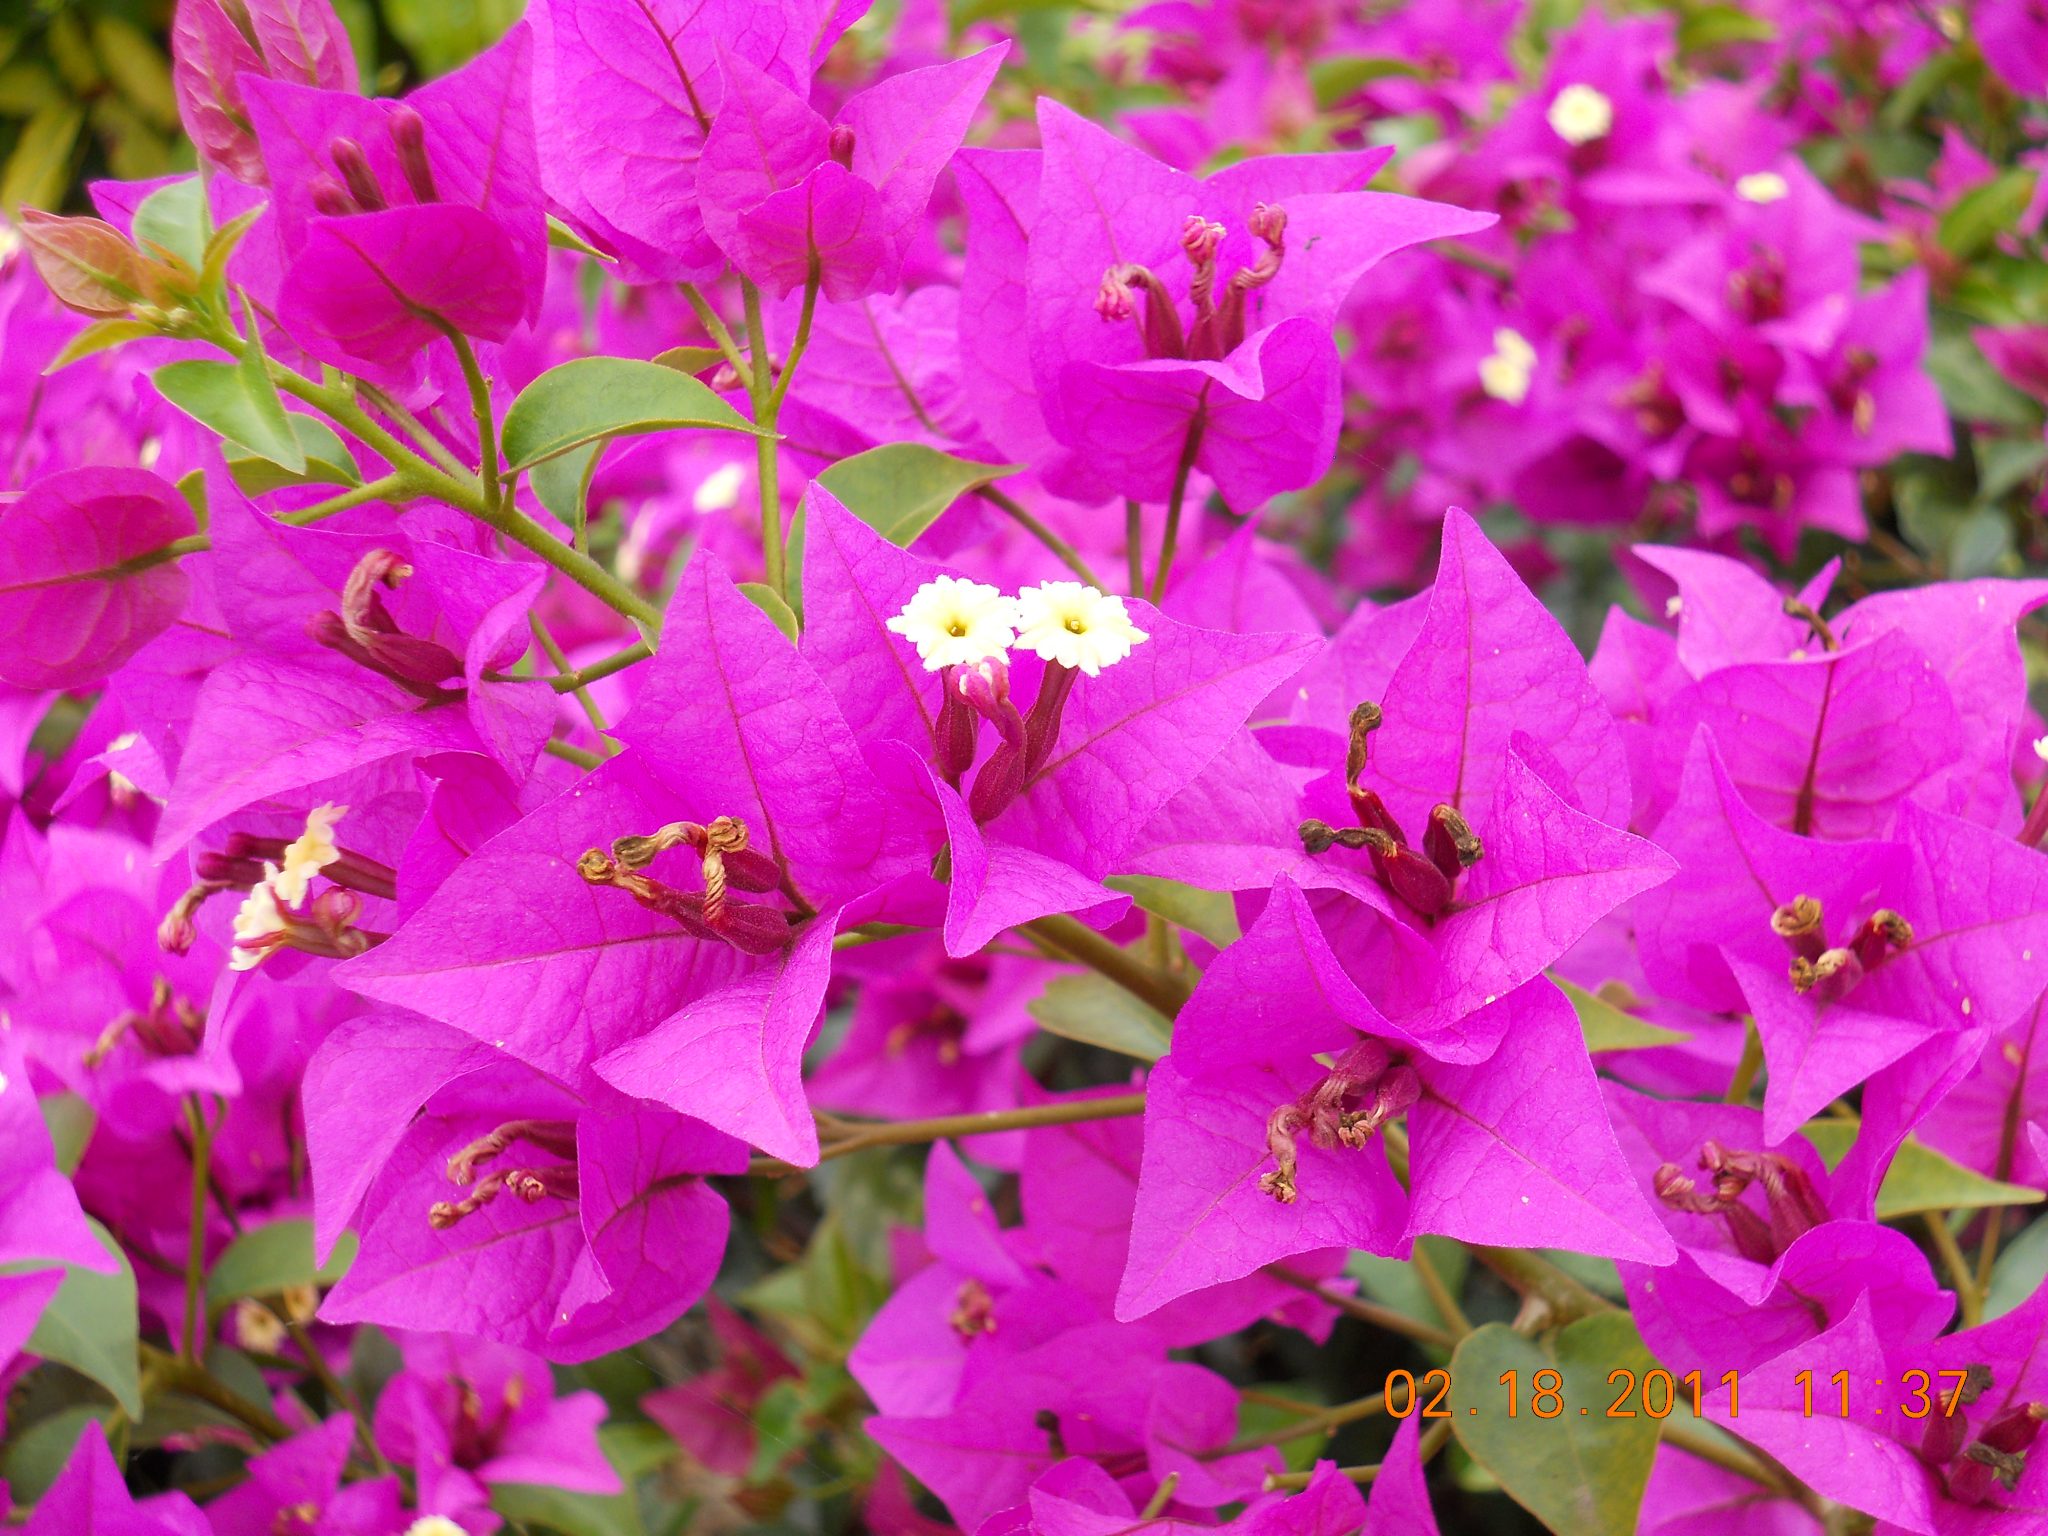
pixel 70 1121
pixel 90 1325
pixel 1096 1011
pixel 37 1455
pixel 632 1449
pixel 2006 462
pixel 594 398
pixel 2019 1271
pixel 222 246
pixel 1715 26
pixel 328 461
pixel 563 482
pixel 1395 1283
pixel 1580 1472
pixel 779 1425
pixel 98 337
pixel 900 489
pixel 769 601
pixel 1984 213
pixel 1920 1178
pixel 1337 80
pixel 271 1258
pixel 690 359
pixel 563 238
pixel 1608 1028
pixel 1971 388
pixel 174 219
pixel 237 401
pixel 40 167
pixel 441 34
pixel 1212 914
pixel 137 67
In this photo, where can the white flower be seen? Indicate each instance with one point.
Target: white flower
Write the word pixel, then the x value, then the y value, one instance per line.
pixel 2041 748
pixel 1076 626
pixel 954 622
pixel 434 1525
pixel 1506 372
pixel 258 925
pixel 1580 115
pixel 1762 187
pixel 312 851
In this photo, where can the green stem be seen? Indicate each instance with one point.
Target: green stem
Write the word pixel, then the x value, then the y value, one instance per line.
pixel 903 1133
pixel 797 346
pixel 1440 1295
pixel 767 474
pixel 1532 1275
pixel 1021 515
pixel 579 568
pixel 486 417
pixel 422 435
pixel 1365 1311
pixel 336 1390
pixel 1161 1497
pixel 195 1242
pixel 1294 1482
pixel 618 661
pixel 2008 1141
pixel 1695 1439
pixel 1175 502
pixel 569 753
pixel 1958 1267
pixel 1326 1422
pixel 177 1374
pixel 1084 945
pixel 387 488
pixel 1134 546
pixel 560 661
pixel 715 328
pixel 1747 1068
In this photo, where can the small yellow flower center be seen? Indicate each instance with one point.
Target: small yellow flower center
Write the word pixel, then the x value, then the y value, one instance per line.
pixel 956 629
pixel 1075 626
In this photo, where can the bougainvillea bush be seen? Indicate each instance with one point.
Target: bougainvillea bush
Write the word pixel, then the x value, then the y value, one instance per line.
pixel 1245 764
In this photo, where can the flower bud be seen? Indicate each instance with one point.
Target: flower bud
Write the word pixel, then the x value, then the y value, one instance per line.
pixel 1886 931
pixel 1798 922
pixel 839 144
pixel 1450 842
pixel 998 784
pixel 88 264
pixel 354 168
pixel 409 137
pixel 1407 874
pixel 1365 719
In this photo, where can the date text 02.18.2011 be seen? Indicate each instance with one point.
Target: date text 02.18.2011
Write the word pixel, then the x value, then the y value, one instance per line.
pixel 1656 1393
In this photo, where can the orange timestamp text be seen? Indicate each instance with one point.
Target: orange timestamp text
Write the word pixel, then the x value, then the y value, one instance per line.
pixel 1656 1393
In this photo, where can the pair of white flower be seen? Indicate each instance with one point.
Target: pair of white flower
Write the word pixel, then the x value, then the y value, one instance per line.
pixel 261 918
pixel 956 623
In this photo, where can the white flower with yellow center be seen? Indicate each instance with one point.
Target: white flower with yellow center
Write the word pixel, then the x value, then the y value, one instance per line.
pixel 1075 625
pixel 434 1525
pixel 1580 115
pixel 955 623
pixel 1507 371
pixel 1762 187
pixel 312 851
pixel 258 924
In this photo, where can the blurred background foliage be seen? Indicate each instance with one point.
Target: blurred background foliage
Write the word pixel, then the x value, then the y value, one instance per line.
pixel 85 85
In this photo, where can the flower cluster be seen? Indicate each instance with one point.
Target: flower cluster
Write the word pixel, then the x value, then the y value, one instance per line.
pixel 753 768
